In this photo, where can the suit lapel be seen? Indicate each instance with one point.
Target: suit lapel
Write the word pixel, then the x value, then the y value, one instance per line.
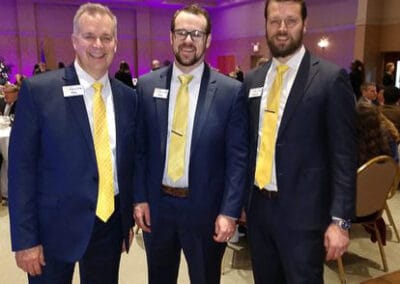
pixel 78 109
pixel 307 71
pixel 116 95
pixel 206 96
pixel 163 82
pixel 254 103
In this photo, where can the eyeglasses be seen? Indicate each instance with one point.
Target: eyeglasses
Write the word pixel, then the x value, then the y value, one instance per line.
pixel 195 35
pixel 289 22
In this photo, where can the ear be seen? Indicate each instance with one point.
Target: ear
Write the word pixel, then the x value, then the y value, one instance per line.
pixel 170 37
pixel 305 26
pixel 74 41
pixel 208 42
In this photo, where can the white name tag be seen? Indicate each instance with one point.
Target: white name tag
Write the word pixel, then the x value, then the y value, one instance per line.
pixel 255 92
pixel 160 93
pixel 73 91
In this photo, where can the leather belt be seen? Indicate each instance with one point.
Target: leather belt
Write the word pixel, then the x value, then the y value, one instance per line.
pixel 266 193
pixel 181 192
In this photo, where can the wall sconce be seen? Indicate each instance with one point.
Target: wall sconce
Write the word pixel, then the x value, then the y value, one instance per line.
pixel 256 47
pixel 323 42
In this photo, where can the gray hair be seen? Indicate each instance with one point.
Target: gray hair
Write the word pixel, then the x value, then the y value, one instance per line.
pixel 93 9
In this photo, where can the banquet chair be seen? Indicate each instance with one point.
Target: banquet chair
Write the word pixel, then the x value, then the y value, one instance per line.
pixel 389 213
pixel 375 181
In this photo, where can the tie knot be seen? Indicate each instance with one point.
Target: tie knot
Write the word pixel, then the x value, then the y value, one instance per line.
pixel 185 79
pixel 97 86
pixel 282 69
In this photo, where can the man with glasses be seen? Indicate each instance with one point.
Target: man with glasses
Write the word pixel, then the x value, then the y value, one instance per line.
pixel 71 162
pixel 302 155
pixel 194 145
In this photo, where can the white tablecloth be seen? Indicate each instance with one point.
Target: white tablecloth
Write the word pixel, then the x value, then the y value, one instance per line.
pixel 4 139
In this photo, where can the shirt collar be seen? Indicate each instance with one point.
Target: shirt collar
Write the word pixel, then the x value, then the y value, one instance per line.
pixel 196 72
pixel 86 80
pixel 294 61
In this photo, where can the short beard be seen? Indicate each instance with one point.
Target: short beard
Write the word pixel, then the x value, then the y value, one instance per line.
pixel 278 52
pixel 192 62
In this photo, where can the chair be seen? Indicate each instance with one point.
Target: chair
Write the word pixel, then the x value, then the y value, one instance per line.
pixel 376 180
pixel 389 213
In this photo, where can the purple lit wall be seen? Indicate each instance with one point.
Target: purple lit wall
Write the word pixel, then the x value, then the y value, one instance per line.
pixel 143 33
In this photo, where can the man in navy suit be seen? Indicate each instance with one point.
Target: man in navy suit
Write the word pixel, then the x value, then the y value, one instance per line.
pixel 55 179
pixel 300 215
pixel 196 211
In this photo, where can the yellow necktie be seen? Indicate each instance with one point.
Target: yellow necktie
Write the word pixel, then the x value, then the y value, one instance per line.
pixel 105 199
pixel 268 135
pixel 176 154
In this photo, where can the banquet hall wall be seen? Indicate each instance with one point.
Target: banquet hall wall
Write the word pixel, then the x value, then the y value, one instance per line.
pixel 34 28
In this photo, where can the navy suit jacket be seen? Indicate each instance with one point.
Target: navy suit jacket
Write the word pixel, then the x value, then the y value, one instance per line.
pixel 219 146
pixel 53 177
pixel 315 152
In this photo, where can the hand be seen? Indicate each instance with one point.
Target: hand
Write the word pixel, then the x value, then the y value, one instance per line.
pixel 131 234
pixel 243 218
pixel 141 214
pixel 336 241
pixel 31 260
pixel 224 228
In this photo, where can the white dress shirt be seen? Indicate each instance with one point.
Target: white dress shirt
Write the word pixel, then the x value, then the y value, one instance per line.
pixel 86 81
pixel 288 80
pixel 194 89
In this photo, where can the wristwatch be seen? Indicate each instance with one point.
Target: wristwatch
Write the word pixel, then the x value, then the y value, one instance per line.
pixel 344 224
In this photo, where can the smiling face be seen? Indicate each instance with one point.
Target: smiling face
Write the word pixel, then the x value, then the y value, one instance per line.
pixel 95 43
pixel 189 53
pixel 284 28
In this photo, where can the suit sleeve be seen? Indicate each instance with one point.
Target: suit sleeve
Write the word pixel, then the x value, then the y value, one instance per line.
pixel 342 146
pixel 24 151
pixel 237 152
pixel 140 193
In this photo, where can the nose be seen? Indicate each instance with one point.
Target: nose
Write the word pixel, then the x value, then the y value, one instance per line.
pixel 282 25
pixel 188 38
pixel 97 42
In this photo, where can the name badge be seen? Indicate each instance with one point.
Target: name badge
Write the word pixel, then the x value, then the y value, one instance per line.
pixel 73 91
pixel 255 92
pixel 160 93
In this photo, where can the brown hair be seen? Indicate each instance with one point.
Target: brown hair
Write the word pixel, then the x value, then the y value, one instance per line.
pixel 301 2
pixel 194 9
pixel 373 133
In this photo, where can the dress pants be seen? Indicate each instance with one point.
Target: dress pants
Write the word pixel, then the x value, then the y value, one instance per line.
pixel 279 254
pixel 100 262
pixel 172 231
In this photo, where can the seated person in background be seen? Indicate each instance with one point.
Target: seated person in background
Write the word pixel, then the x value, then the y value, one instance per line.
pixel 124 74
pixel 368 93
pixel 18 79
pixel 239 73
pixel 391 109
pixel 40 67
pixel 155 64
pixel 376 136
pixel 8 103
pixel 380 100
